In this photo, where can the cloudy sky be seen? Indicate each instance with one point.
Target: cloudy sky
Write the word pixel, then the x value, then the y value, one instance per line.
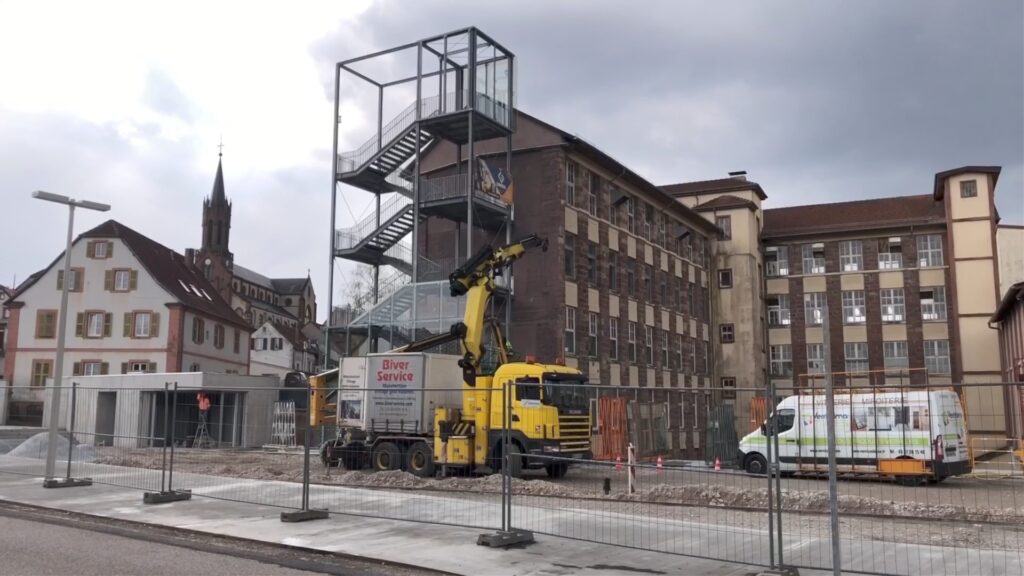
pixel 819 101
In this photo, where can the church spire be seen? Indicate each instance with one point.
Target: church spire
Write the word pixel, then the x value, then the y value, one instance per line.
pixel 217 197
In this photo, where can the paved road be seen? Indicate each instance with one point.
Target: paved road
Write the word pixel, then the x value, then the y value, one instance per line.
pixel 42 542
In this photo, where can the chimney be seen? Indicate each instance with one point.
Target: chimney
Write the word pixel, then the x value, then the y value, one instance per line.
pixel 190 256
pixel 738 175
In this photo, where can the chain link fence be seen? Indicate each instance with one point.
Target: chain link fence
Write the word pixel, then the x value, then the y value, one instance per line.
pixel 929 477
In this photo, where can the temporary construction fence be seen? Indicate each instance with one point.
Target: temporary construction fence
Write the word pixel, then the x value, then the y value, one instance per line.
pixel 649 481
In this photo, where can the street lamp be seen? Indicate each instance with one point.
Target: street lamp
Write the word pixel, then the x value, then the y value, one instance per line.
pixel 51 449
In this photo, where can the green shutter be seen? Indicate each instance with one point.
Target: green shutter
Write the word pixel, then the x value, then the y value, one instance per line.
pixel 110 248
pixel 80 324
pixel 133 280
pixel 154 325
pixel 104 368
pixel 128 317
pixel 60 279
pixel 76 369
pixel 152 368
pixel 124 367
pixel 108 280
pixel 108 319
pixel 90 250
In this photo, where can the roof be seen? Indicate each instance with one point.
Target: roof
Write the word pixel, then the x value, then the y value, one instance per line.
pixel 879 213
pixel 289 285
pixel 713 186
pixel 167 268
pixel 725 202
pixel 217 196
pixel 533 133
pixel 1013 296
pixel 257 303
pixel 5 291
pixel 293 334
pixel 940 178
pixel 252 277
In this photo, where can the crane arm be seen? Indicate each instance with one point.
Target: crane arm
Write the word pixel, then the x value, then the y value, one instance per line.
pixel 475 279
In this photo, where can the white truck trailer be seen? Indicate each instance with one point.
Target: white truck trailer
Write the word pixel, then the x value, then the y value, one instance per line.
pixel 909 434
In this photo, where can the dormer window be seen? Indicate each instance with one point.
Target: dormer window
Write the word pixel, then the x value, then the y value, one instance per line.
pixel 968 189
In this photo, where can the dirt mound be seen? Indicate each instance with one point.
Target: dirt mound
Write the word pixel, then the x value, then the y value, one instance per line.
pixel 35 447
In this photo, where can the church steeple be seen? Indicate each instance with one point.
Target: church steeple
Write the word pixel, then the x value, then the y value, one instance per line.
pixel 218 197
pixel 214 257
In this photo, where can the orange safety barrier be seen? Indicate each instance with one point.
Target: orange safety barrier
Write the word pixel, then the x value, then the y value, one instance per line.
pixel 612 429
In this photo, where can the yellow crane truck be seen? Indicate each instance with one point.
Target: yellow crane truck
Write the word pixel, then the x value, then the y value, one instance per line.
pixel 401 409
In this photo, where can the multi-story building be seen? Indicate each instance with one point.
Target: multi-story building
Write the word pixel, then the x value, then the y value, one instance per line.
pixel 5 294
pixel 134 305
pixel 1009 319
pixel 257 298
pixel 277 349
pixel 905 285
pixel 1010 247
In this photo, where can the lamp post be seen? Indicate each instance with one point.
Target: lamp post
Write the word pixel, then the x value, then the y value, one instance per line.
pixel 51 449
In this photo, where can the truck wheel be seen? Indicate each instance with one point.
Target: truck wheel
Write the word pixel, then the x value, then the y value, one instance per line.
pixel 556 469
pixel 756 464
pixel 353 456
pixel 515 461
pixel 420 460
pixel 329 454
pixel 386 456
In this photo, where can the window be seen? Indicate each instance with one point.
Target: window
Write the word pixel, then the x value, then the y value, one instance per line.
pixel 726 333
pixel 851 256
pixel 776 261
pixel 592 264
pixel 570 330
pixel 592 332
pixel 968 189
pixel 706 356
pixel 259 344
pixel 140 366
pixel 613 208
pixel 613 271
pixel 936 356
pixel 781 360
pixel 75 276
pixel 41 370
pixel 664 349
pixel 198 331
pixel 570 182
pixel 218 337
pixel 856 356
pixel 895 355
pixel 194 367
pixel 648 220
pixel 631 341
pixel 725 223
pixel 663 290
pixel 631 278
pixel 893 307
pixel 647 288
pixel 570 257
pixel 238 341
pixel 613 338
pixel 142 324
pixel 929 250
pixel 890 254
pixel 815 358
pixel 91 368
pixel 693 355
pixel 631 214
pixel 933 303
pixel 649 344
pixel 275 343
pixel 94 325
pixel 121 279
pixel 814 258
pixel 853 307
pixel 99 249
pixel 778 310
pixel 814 308
pixel 679 352
pixel 592 187
pixel 725 278
pixel 46 324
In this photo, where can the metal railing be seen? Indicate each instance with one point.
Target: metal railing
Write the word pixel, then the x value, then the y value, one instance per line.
pixel 351 237
pixel 452 188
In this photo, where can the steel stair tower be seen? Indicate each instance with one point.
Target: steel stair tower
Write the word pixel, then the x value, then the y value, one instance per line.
pixel 452 91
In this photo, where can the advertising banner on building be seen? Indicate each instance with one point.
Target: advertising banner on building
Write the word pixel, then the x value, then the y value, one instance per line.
pixel 395 396
pixel 352 392
pixel 494 181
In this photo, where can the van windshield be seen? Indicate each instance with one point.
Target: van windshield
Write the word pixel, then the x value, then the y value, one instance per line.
pixel 784 421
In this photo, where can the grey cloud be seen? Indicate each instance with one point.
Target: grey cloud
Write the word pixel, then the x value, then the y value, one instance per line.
pixel 163 95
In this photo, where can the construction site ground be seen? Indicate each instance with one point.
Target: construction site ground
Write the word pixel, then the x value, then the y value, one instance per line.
pixel 965 511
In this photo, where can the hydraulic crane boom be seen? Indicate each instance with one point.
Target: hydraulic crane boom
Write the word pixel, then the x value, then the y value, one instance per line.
pixel 475 279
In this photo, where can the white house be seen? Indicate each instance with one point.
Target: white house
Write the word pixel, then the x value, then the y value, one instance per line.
pixel 134 306
pixel 278 349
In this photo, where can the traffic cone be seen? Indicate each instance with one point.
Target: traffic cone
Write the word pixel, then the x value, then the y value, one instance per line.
pixel 718 464
pixel 661 463
pixel 618 463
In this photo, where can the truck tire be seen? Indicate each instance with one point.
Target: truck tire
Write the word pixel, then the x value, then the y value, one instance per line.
pixel 420 460
pixel 353 456
pixel 329 454
pixel 755 464
pixel 556 470
pixel 515 461
pixel 386 456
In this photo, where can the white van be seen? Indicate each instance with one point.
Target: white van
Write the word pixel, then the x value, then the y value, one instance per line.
pixel 913 433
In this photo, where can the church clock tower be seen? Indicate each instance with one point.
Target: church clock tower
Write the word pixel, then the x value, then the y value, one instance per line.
pixel 214 258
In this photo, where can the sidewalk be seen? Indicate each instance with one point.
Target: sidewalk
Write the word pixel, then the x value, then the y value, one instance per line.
pixel 445 548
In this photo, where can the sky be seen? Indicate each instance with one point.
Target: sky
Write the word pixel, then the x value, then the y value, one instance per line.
pixel 820 101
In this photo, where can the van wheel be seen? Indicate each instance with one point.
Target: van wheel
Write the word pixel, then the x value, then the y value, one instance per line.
pixel 386 456
pixel 420 460
pixel 756 464
pixel 556 469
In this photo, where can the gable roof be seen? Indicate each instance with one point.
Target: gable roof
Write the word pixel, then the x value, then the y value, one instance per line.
pixel 252 277
pixel 292 334
pixel 725 202
pixel 940 178
pixel 289 285
pixel 713 186
pixel 257 303
pixel 168 268
pixel 878 213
